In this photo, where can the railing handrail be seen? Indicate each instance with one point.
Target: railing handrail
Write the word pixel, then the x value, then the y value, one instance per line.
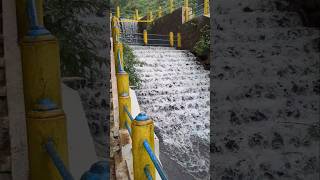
pixel 147 172
pixel 155 160
pixel 58 163
pixel 128 113
pixel 166 10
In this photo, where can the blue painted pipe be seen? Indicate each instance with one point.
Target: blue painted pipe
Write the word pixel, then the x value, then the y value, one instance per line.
pixel 147 172
pixel 119 62
pixel 33 18
pixel 35 29
pixel 128 128
pixel 155 160
pixel 98 171
pixel 128 113
pixel 64 172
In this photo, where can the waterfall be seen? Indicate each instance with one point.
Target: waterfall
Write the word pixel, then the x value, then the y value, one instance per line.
pixel 175 94
pixel 129 32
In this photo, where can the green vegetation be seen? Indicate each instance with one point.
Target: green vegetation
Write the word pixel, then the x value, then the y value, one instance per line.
pixel 128 6
pixel 202 47
pixel 78 51
pixel 130 61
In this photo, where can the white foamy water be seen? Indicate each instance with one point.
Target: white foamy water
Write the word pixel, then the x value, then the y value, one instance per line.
pixel 175 94
pixel 129 32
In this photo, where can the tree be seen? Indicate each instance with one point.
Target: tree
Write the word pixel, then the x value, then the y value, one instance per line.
pixel 77 47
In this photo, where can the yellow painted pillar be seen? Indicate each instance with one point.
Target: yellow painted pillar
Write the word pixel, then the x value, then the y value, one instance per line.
pixel 114 24
pixel 124 101
pixel 186 11
pixel 41 70
pixel 137 14
pixel 145 37
pixel 115 38
pixel 171 6
pixel 118 12
pixel 42 126
pixel 122 82
pixel 159 12
pixel 142 129
pixel 179 40
pixel 42 94
pixel 171 39
pixel 206 8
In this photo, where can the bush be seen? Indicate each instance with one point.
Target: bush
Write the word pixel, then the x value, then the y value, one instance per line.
pixel 78 51
pixel 202 47
pixel 130 62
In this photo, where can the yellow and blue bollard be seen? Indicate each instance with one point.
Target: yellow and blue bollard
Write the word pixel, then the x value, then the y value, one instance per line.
pixel 124 102
pixel 122 82
pixel 145 37
pixel 171 39
pixel 179 40
pixel 46 122
pixel 142 128
pixel 42 93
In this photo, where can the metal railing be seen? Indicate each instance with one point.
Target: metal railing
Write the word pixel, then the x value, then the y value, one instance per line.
pixel 149 39
pixel 155 160
pixel 128 121
pixel 194 10
pixel 148 149
pixel 64 172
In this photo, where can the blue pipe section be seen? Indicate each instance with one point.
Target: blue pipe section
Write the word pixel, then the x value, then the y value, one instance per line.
pixel 98 171
pixel 128 128
pixel 142 116
pixel 128 113
pixel 35 29
pixel 147 172
pixel 119 62
pixel 155 160
pixel 64 172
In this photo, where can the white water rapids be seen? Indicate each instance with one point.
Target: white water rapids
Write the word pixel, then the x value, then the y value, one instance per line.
pixel 175 94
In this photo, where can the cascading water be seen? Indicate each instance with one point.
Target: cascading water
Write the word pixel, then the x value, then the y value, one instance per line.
pixel 175 93
pixel 129 32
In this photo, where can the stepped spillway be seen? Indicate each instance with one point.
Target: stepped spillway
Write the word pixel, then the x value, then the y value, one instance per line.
pixel 175 93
